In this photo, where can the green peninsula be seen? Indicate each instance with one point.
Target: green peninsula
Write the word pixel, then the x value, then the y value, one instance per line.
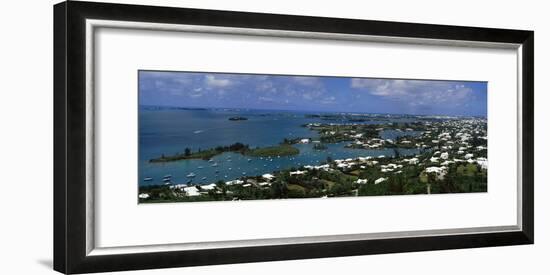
pixel 271 151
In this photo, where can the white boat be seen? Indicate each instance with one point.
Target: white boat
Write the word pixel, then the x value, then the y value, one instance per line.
pixel 203 178
pixel 214 165
pixel 191 175
pixel 200 167
pixel 148 179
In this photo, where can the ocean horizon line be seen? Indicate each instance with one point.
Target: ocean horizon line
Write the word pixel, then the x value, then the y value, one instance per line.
pixel 197 108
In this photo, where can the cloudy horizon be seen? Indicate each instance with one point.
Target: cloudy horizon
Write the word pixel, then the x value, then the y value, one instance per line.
pixel 313 93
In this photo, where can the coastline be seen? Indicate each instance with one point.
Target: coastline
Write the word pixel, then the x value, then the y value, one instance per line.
pixel 270 151
pixel 443 154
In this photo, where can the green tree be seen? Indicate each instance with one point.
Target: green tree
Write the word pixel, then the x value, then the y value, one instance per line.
pixel 279 189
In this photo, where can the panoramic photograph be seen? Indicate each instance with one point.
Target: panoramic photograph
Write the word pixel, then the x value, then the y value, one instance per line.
pixel 207 136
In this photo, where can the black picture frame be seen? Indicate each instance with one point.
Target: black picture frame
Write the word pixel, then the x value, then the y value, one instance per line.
pixel 70 255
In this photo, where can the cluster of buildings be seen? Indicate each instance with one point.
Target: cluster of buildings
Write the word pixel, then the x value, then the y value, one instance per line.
pixel 456 141
pixel 197 190
pixel 442 144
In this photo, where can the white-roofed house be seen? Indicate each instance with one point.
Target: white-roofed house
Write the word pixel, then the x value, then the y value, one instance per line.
pixel 412 161
pixel 439 171
pixel 268 176
pixel 211 186
pixel 292 173
pixel 482 162
pixel 192 191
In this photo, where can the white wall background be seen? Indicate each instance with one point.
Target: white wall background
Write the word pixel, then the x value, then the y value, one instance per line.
pixel 26 149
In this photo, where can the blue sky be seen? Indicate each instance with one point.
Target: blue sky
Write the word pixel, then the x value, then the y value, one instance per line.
pixel 305 93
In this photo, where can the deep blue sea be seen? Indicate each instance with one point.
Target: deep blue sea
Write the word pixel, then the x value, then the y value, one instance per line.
pixel 170 131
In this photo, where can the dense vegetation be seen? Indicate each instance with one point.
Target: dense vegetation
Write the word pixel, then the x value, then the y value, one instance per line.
pixel 279 150
pixel 461 178
pixel 451 158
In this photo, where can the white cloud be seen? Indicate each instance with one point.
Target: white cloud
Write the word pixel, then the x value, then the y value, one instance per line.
pixel 328 100
pixel 310 95
pixel 195 95
pixel 216 82
pixel 415 92
pixel 266 86
pixel 182 80
pixel 266 99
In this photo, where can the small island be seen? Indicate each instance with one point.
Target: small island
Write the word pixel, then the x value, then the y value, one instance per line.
pixel 244 149
pixel 237 118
